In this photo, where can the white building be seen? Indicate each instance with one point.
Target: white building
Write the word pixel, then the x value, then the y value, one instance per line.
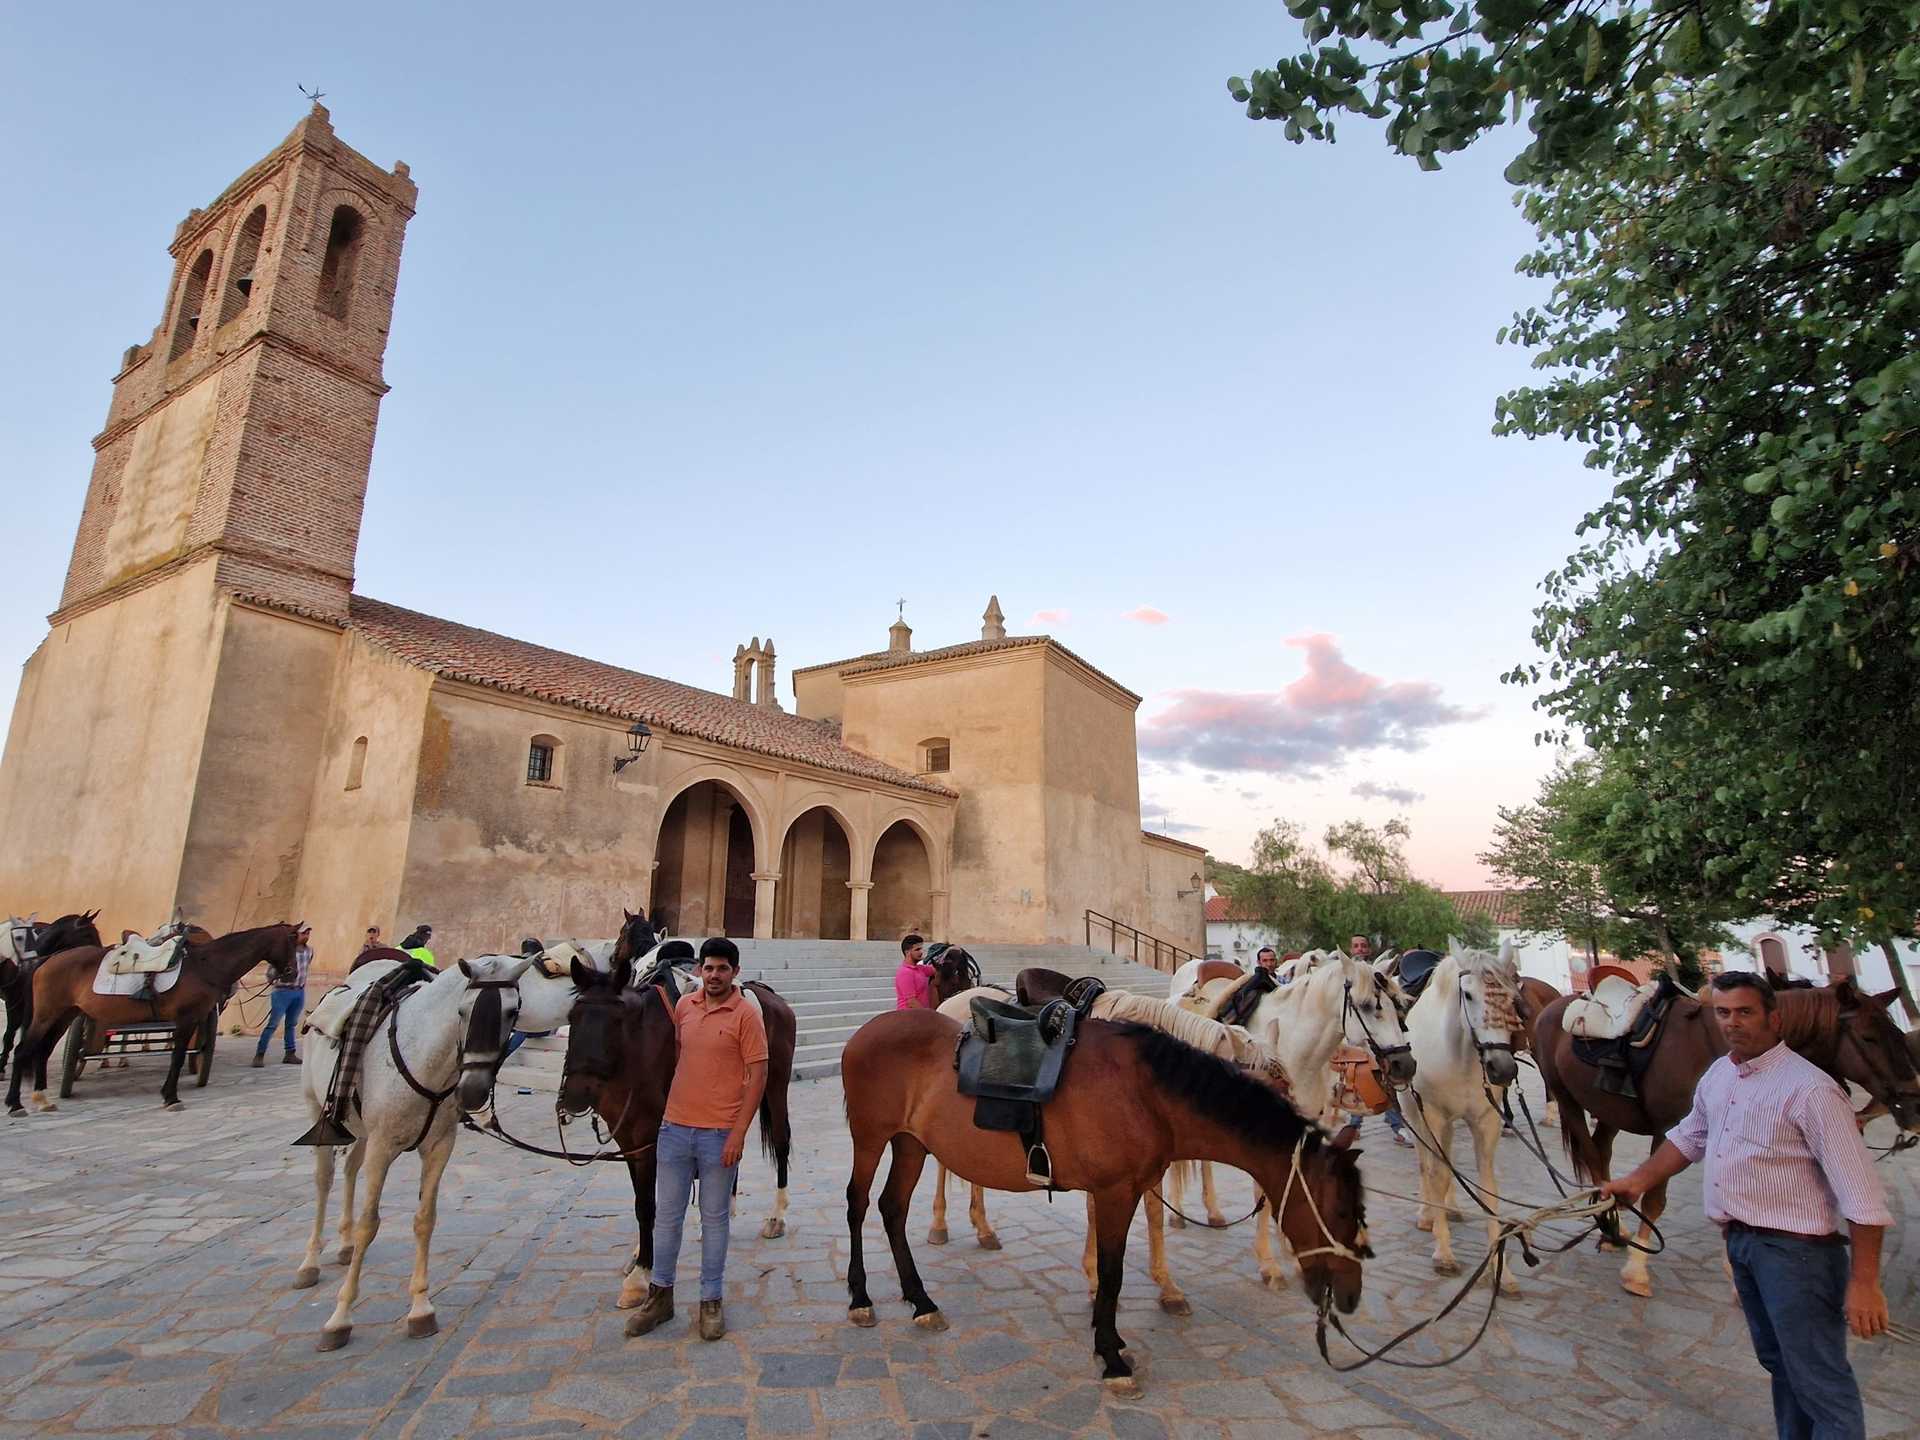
pixel 1233 933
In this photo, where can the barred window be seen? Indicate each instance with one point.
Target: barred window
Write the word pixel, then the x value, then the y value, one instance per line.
pixel 936 755
pixel 540 763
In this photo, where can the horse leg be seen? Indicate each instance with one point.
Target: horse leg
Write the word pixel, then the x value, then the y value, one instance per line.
pixel 1112 1217
pixel 170 1087
pixel 909 1155
pixel 1209 1198
pixel 22 1061
pixel 308 1275
pixel 937 1227
pixel 1271 1273
pixel 33 1052
pixel 633 1289
pixel 1173 1299
pixel 1487 1125
pixel 1175 1185
pixel 339 1327
pixel 977 1214
pixel 1436 1188
pixel 1635 1278
pixel 421 1321
pixel 776 1109
pixel 356 1156
pixel 866 1160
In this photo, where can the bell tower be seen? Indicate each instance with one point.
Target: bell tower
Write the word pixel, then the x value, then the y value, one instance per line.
pixel 242 431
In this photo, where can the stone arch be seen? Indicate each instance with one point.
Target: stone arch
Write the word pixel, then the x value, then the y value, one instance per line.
pixel 831 802
pixel 707 849
pixel 813 899
pixel 1771 951
pixel 902 873
pixel 246 243
pixel 192 302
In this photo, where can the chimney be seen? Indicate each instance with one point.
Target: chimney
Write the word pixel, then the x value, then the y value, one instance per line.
pixel 993 624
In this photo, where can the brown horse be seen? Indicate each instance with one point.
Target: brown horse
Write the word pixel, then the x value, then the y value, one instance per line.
pixel 33 941
pixel 1534 996
pixel 621 1050
pixel 63 989
pixel 1843 1031
pixel 1133 1101
pixel 378 952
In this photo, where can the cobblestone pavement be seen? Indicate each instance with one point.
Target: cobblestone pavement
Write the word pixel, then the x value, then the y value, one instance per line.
pixel 146 1260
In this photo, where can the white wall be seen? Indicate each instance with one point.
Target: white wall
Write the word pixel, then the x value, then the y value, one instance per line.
pixel 1238 940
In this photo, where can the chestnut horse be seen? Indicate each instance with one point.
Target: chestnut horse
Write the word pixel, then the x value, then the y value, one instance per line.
pixel 22 947
pixel 1845 1032
pixel 63 989
pixel 621 1051
pixel 1133 1101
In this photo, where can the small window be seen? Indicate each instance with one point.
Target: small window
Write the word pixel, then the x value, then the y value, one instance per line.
pixel 936 756
pixel 540 757
pixel 357 764
pixel 344 236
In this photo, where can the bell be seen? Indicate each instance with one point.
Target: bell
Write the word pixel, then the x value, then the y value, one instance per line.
pixel 245 284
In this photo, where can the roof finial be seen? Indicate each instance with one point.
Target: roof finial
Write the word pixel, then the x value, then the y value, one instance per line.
pixel 993 624
pixel 316 95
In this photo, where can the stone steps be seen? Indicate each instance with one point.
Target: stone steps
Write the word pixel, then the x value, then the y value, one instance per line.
pixel 836 986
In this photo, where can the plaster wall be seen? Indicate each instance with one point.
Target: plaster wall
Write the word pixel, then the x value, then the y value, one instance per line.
pixel 1170 866
pixel 1091 800
pixel 818 694
pixel 103 754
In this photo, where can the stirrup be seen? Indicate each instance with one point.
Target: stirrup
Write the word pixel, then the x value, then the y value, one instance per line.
pixel 325 1132
pixel 1039 1165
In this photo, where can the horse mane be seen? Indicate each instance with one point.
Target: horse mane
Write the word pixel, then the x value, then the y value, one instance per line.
pixel 1808 1017
pixel 1255 1112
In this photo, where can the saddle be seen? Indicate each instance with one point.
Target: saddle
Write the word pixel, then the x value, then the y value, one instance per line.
pixel 1414 969
pixel 676 976
pixel 141 968
pixel 370 1003
pixel 1236 1005
pixel 1636 1019
pixel 1009 1061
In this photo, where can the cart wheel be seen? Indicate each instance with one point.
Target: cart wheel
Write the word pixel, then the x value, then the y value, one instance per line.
pixel 209 1032
pixel 74 1057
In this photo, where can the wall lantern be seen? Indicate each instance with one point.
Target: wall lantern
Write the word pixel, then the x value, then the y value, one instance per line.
pixel 637 740
pixel 1198 885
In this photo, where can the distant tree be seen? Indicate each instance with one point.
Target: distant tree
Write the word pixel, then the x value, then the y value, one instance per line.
pixel 1287 883
pixel 1549 890
pixel 1225 876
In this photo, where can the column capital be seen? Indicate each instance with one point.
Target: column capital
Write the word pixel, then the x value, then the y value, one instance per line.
pixel 859 884
pixel 766 874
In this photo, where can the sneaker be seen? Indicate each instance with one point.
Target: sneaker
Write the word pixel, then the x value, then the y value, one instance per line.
pixel 1400 1139
pixel 259 1059
pixel 289 1058
pixel 713 1320
pixel 654 1311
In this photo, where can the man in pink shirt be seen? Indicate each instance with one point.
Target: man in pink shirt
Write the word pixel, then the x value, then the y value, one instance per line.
pixel 912 982
pixel 1785 1166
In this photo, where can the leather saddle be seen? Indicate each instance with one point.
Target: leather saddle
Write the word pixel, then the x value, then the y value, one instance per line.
pixel 677 976
pixel 1414 969
pixel 1010 1059
pixel 1623 1056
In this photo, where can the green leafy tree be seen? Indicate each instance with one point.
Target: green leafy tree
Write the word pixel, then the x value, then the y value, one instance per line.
pixel 1225 876
pixel 1552 892
pixel 1727 208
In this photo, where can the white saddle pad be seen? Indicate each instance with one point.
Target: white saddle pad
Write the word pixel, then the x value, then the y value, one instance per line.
pixel 129 966
pixel 329 1012
pixel 1609 1012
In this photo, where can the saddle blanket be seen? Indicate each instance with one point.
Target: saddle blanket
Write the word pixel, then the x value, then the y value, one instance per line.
pixel 138 967
pixel 1609 1012
pixel 328 1015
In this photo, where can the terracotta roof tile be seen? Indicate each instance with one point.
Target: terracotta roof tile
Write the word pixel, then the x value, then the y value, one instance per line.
pixel 480 657
pixel 895 659
pixel 1494 906
pixel 1226 908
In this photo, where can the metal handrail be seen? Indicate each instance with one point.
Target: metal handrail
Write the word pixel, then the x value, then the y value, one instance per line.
pixel 1174 955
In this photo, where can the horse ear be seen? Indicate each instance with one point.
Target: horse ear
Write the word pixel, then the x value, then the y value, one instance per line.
pixel 622 974
pixel 1886 998
pixel 1344 1138
pixel 466 970
pixel 580 973
pixel 1453 947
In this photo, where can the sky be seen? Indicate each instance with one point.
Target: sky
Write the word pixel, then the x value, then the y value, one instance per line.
pixel 755 320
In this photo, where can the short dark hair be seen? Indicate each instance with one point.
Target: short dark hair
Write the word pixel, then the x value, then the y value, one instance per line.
pixel 724 948
pixel 675 950
pixel 1265 950
pixel 1745 980
pixel 910 941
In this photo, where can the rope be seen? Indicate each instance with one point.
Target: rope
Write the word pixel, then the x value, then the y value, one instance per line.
pixel 1258 1204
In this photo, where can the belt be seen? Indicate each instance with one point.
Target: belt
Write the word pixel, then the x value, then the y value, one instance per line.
pixel 1736 1226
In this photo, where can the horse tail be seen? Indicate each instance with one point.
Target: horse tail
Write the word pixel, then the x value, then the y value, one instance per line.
pixel 1575 1136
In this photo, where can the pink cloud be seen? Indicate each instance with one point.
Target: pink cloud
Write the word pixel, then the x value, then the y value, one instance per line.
pixel 1050 617
pixel 1146 615
pixel 1305 729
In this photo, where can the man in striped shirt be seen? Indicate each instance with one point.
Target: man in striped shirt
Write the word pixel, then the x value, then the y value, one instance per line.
pixel 1785 1165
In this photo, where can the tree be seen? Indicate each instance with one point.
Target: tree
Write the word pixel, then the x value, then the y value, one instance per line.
pixel 1727 199
pixel 1225 876
pixel 1287 883
pixel 1551 892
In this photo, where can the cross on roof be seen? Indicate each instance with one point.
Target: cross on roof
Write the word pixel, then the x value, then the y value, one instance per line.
pixel 902 603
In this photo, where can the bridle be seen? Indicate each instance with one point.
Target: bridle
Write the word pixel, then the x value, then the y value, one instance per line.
pixel 1382 1054
pixel 1483 1047
pixel 1295 1176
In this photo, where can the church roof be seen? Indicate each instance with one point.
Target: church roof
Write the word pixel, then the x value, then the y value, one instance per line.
pixel 481 657
pixel 895 659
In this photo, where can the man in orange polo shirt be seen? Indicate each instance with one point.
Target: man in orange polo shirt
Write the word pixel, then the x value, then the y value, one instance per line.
pixel 718 1080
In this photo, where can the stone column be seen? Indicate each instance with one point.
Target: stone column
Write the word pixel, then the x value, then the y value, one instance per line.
pixel 764 882
pixel 857 924
pixel 941 903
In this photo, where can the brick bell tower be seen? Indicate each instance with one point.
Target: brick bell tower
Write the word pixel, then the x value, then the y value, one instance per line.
pixel 242 431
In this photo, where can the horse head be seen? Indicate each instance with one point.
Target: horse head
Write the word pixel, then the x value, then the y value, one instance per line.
pixel 1371 1020
pixel 1323 1213
pixel 1489 986
pixel 1872 1052
pixel 637 936
pixel 594 1028
pixel 954 970
pixel 488 1009
pixel 69 932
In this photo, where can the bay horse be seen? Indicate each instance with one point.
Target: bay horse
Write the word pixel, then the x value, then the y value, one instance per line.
pixel 23 945
pixel 622 1047
pixel 1133 1101
pixel 445 1039
pixel 63 989
pixel 1533 997
pixel 1843 1030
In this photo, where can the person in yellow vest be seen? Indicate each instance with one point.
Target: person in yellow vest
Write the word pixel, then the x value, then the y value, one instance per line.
pixel 416 945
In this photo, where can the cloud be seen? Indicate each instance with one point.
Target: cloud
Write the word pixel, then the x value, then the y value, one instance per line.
pixel 1050 617
pixel 1331 712
pixel 1392 794
pixel 1249 794
pixel 1146 615
pixel 1155 816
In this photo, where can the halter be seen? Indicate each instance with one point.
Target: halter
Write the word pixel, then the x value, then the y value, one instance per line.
pixel 435 1098
pixel 1481 1047
pixel 1333 1246
pixel 1382 1054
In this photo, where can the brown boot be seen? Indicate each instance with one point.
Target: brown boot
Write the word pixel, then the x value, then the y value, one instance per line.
pixel 258 1061
pixel 713 1320
pixel 654 1311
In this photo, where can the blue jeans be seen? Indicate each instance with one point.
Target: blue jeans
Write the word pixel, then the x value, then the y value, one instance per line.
pixel 285 1013
pixel 1794 1295
pixel 682 1155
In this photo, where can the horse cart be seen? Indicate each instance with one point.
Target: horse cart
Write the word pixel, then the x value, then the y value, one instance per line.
pixel 87 1041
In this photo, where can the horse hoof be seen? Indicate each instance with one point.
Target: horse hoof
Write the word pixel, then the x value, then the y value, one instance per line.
pixel 932 1321
pixel 1176 1222
pixel 1216 1221
pixel 1636 1286
pixel 47 1107
pixel 1509 1287
pixel 862 1315
pixel 1125 1387
pixel 989 1241
pixel 937 1236
pixel 306 1277
pixel 16 1112
pixel 334 1339
pixel 1176 1305
pixel 1274 1280
pixel 421 1326
pixel 773 1229
pixel 1446 1267
pixel 171 1105
pixel 1423 1225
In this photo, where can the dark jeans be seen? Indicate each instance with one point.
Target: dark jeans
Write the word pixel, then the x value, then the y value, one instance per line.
pixel 287 1005
pixel 1794 1295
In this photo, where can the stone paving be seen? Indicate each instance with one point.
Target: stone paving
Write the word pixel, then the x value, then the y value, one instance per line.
pixel 146 1261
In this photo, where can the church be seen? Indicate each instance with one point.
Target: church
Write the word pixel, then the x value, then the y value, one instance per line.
pixel 217 721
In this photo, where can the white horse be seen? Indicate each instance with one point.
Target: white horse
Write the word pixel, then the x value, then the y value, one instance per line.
pixel 1462 1028
pixel 450 1034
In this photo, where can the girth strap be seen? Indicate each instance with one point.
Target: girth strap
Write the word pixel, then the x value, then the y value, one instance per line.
pixel 432 1098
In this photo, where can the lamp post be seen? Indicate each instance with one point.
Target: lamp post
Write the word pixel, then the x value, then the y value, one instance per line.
pixel 638 737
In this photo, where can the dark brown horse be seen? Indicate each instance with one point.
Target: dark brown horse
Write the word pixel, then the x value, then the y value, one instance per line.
pixel 1842 1030
pixel 621 1050
pixel 33 942
pixel 63 989
pixel 378 952
pixel 1133 1101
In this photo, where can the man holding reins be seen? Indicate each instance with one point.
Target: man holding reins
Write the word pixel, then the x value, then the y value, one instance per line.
pixel 1785 1166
